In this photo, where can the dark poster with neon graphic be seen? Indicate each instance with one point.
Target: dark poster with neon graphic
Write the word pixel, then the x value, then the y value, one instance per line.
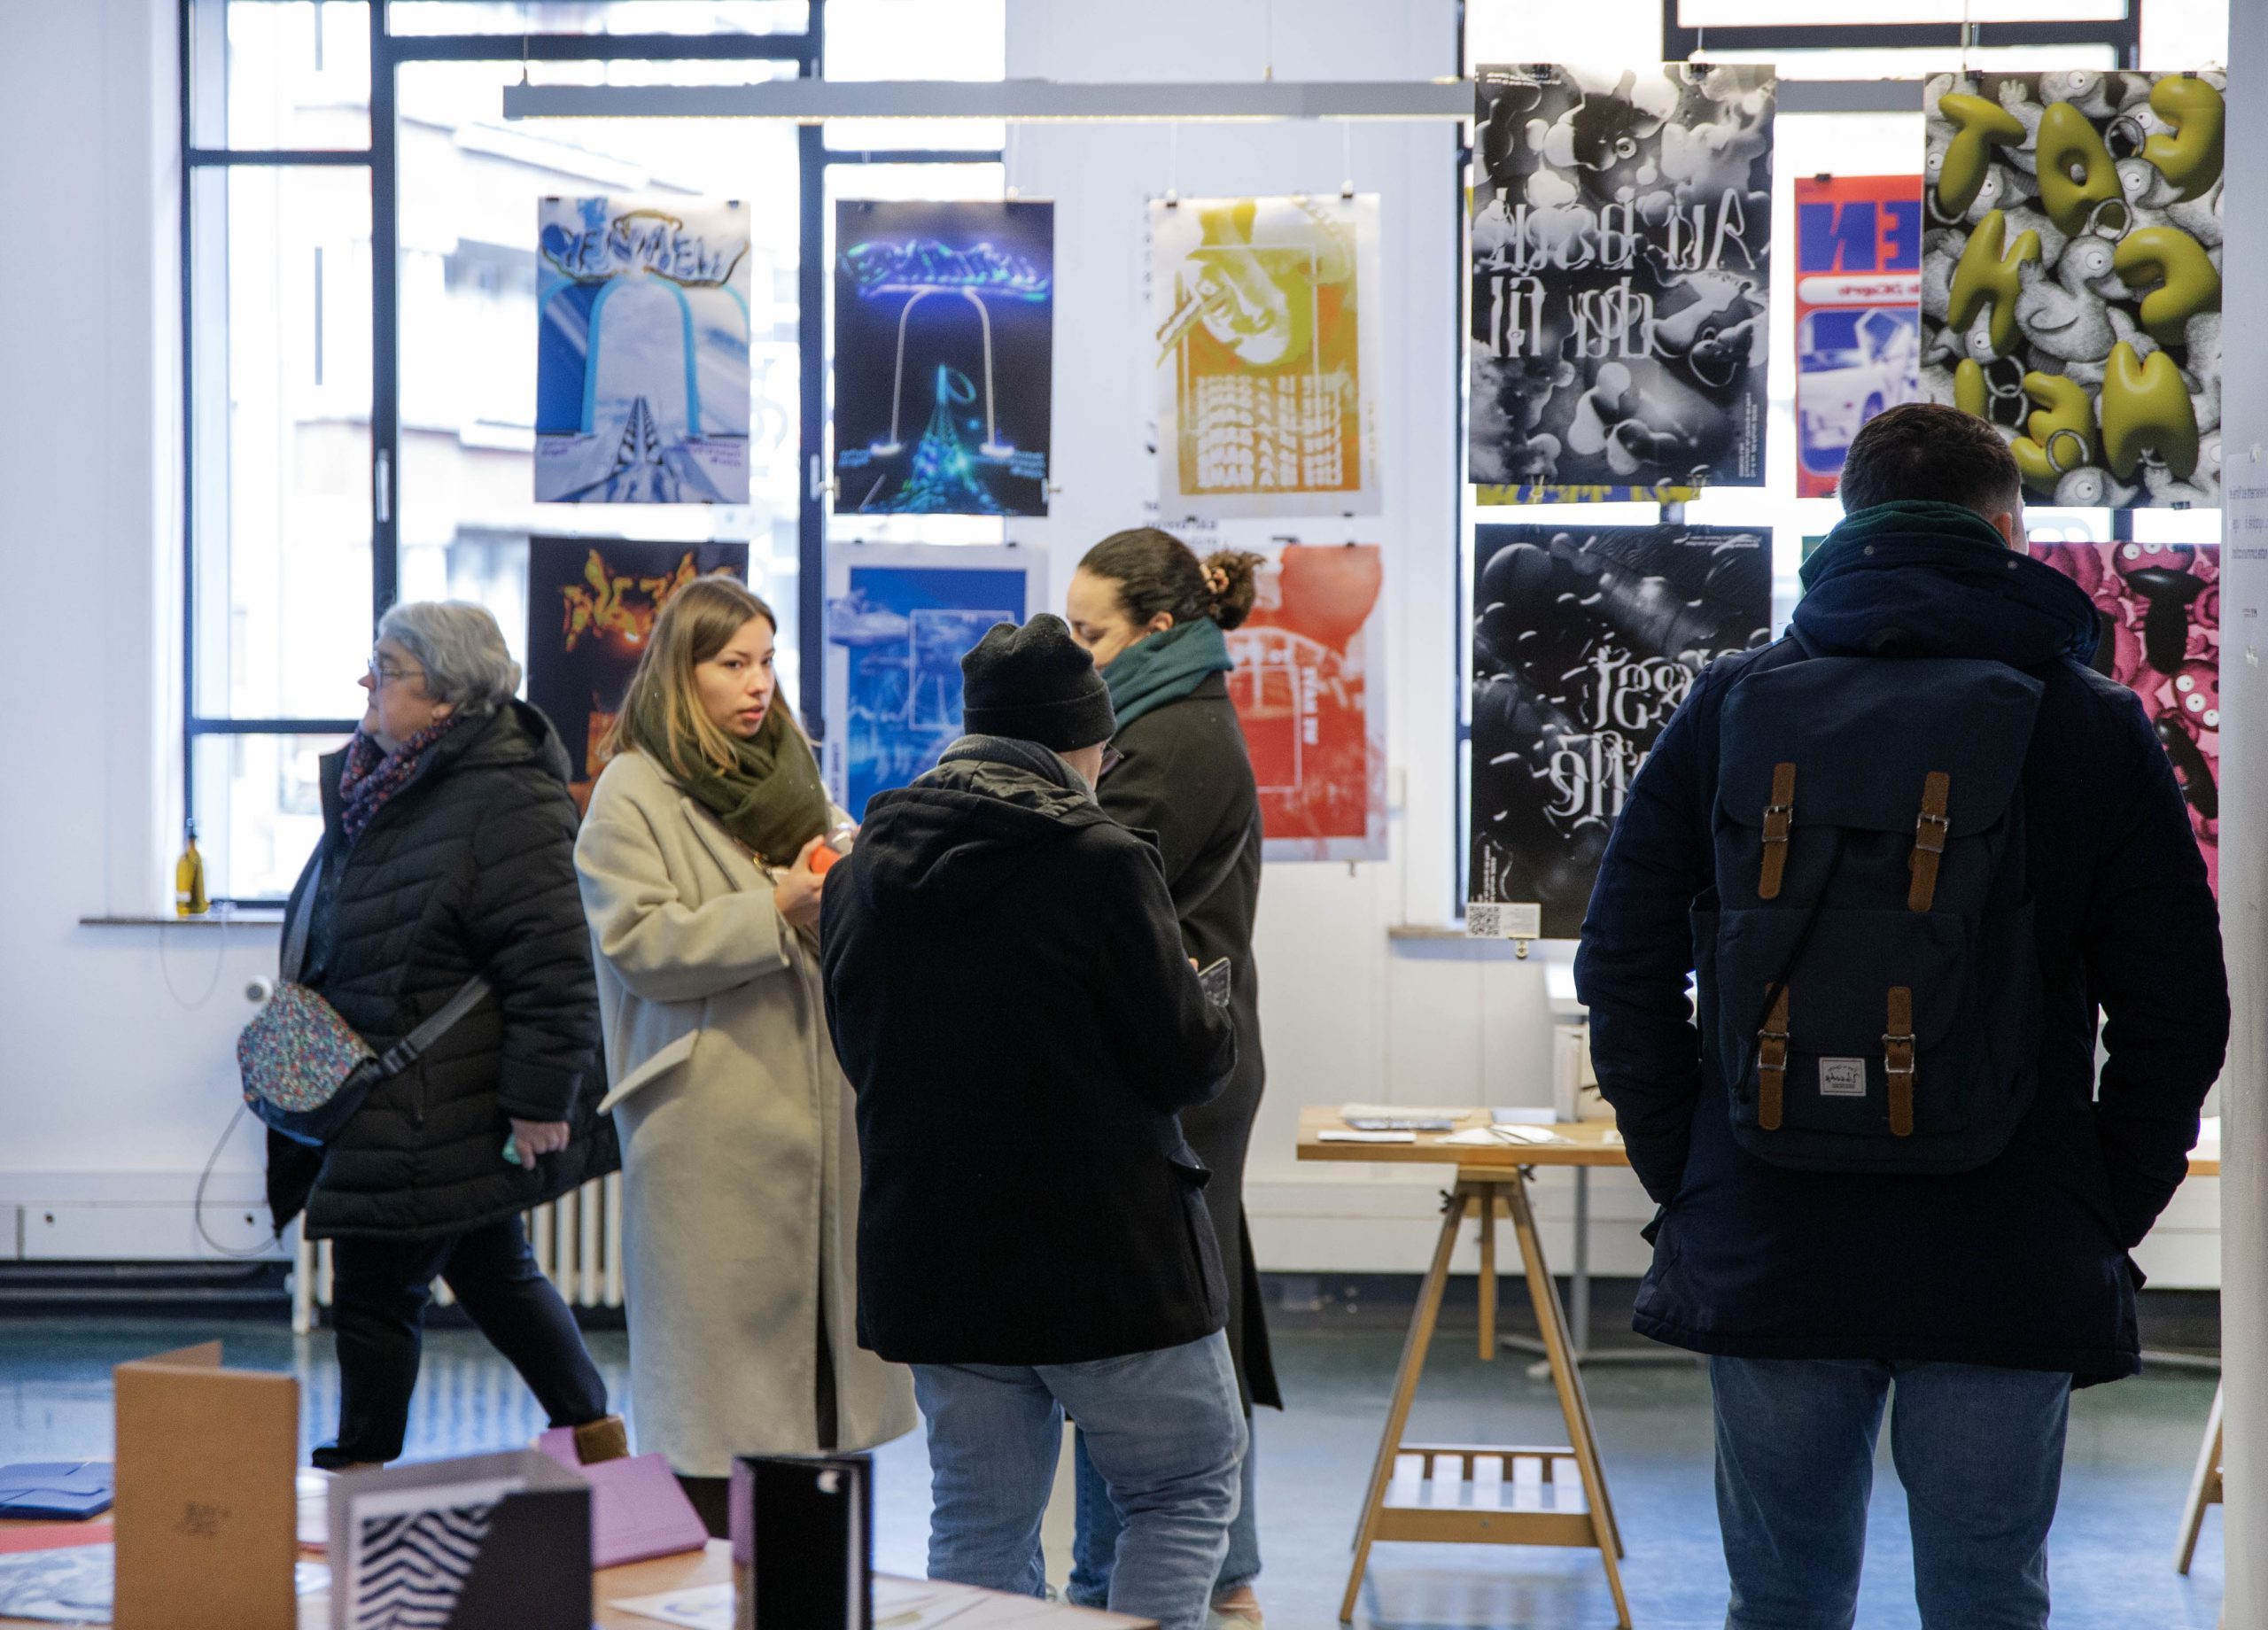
pixel 1858 313
pixel 943 356
pixel 591 604
pixel 1585 641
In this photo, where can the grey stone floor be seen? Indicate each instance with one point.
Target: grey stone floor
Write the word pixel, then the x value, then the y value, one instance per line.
pixel 2131 1445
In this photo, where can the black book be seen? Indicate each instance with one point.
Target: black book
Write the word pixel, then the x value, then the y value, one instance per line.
pixel 803 1541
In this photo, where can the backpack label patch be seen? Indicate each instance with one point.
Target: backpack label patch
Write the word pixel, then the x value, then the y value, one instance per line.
pixel 1842 1078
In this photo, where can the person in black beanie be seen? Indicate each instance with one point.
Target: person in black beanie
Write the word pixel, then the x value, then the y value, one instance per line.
pixel 1009 995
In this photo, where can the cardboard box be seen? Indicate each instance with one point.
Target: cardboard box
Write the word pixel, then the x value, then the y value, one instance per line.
pixel 206 1515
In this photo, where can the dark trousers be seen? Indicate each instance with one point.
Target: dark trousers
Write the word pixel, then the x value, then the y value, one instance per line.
pixel 378 1292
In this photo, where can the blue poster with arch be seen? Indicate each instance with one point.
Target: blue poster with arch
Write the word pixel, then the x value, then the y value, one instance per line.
pixel 944 354
pixel 643 359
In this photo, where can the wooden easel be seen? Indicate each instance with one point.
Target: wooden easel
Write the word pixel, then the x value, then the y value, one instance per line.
pixel 1475 1493
pixel 2205 1486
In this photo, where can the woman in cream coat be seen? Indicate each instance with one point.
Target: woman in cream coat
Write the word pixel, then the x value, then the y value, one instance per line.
pixel 739 1154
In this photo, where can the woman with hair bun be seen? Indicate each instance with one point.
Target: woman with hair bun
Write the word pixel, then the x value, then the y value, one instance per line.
pixel 1154 616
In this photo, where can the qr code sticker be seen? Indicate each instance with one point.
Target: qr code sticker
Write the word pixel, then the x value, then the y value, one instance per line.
pixel 1493 920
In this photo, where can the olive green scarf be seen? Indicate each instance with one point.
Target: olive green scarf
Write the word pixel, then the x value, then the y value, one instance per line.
pixel 771 798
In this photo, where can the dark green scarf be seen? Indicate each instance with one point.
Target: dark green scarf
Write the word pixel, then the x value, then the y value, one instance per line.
pixel 1166 667
pixel 771 798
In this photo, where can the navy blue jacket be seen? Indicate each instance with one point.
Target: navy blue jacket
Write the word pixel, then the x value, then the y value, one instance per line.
pixel 2023 1262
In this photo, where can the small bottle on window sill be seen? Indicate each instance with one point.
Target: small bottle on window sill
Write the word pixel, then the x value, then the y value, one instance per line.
pixel 188 878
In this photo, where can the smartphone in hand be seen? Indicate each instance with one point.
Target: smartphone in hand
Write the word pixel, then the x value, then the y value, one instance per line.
pixel 1214 982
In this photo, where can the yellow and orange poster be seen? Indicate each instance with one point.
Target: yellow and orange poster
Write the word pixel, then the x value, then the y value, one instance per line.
pixel 1266 355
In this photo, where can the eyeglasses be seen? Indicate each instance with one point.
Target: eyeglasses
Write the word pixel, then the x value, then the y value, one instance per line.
pixel 382 673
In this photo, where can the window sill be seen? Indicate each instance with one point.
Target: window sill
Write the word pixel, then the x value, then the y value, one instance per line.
pixel 219 917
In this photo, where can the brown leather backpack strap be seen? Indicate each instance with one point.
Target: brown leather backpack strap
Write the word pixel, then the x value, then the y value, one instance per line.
pixel 1897 1059
pixel 1931 830
pixel 1772 1065
pixel 1777 816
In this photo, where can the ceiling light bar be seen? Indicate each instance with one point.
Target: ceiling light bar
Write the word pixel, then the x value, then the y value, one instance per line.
pixel 811 101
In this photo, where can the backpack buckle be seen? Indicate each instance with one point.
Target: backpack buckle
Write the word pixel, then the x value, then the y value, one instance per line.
pixel 1895 1047
pixel 1927 827
pixel 1898 1045
pixel 1779 816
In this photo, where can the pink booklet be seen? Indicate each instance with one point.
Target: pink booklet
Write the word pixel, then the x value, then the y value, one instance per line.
pixel 638 1508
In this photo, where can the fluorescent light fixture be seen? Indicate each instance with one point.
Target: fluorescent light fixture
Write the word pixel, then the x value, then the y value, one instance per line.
pixel 812 101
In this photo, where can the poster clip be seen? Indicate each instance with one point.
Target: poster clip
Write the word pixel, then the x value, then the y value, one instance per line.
pixel 1173 198
pixel 1519 950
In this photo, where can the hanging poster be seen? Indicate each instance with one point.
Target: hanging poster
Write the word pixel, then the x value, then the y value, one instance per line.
pixel 591 604
pixel 1585 641
pixel 944 319
pixel 1267 355
pixel 900 618
pixel 2071 277
pixel 1858 313
pixel 2159 608
pixel 1310 691
pixel 1621 257
pixel 642 356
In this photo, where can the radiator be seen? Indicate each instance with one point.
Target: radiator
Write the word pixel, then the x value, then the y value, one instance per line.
pixel 577 1240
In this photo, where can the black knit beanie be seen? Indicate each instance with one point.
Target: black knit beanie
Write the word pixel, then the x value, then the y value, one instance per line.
pixel 1035 684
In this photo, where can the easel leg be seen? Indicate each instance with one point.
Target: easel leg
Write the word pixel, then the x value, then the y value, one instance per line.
pixel 1405 1388
pixel 1488 1278
pixel 2204 1488
pixel 1573 1403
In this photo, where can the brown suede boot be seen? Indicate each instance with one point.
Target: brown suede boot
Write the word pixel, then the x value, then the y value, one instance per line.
pixel 604 1439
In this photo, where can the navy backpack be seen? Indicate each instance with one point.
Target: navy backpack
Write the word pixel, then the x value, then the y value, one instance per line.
pixel 1868 983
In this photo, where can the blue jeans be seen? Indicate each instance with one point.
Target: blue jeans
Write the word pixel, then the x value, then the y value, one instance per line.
pixel 1166 1431
pixel 1095 1546
pixel 1979 1451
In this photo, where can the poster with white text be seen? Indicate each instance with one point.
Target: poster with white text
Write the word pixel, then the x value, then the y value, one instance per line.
pixel 1620 270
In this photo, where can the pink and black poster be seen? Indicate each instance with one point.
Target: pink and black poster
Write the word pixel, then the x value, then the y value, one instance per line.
pixel 2159 606
pixel 1309 691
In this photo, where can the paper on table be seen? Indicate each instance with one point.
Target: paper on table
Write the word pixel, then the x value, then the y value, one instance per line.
pixel 1498 1136
pixel 704 1607
pixel 76 1585
pixel 1381 1117
pixel 1523 1116
pixel 1345 1135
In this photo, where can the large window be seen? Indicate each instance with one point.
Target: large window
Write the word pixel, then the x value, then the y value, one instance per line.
pixel 359 309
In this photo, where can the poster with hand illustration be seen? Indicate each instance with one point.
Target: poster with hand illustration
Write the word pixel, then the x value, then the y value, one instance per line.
pixel 2071 276
pixel 591 604
pixel 1266 322
pixel 2158 607
pixel 900 618
pixel 642 358
pixel 1620 270
pixel 944 317
pixel 1585 639
pixel 1310 691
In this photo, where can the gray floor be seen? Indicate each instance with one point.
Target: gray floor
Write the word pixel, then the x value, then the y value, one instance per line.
pixel 2131 1445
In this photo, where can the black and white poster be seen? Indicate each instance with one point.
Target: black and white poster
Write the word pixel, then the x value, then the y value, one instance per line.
pixel 2071 277
pixel 1585 639
pixel 1621 260
pixel 944 332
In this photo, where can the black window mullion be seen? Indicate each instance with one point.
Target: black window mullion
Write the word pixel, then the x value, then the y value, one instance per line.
pixel 791 47
pixel 385 327
pixel 271 726
pixel 810 383
pixel 276 157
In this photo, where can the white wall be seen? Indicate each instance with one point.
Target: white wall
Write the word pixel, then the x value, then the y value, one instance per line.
pixel 116 1076
pixel 2244 835
pixel 118 1072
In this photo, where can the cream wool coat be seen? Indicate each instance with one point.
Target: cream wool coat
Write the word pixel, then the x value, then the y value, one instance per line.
pixel 739 1154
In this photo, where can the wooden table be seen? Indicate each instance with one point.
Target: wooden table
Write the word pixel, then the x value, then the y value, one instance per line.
pixel 986 1609
pixel 1475 1493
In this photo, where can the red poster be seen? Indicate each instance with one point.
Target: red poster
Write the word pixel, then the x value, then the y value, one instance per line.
pixel 1310 691
pixel 2159 605
pixel 1858 313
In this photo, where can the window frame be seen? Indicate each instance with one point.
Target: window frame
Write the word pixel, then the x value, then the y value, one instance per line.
pixel 389 52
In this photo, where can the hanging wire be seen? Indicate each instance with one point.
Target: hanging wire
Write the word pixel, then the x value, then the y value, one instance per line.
pixel 1347 158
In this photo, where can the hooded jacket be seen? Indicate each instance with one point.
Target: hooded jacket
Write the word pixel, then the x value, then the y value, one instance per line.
pixel 1009 995
pixel 2022 1263
pixel 469 869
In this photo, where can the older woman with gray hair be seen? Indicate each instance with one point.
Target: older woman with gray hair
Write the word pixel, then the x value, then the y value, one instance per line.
pixel 447 854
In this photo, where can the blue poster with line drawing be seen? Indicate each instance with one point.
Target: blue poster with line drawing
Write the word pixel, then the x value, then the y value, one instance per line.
pixel 643 359
pixel 898 621
pixel 944 332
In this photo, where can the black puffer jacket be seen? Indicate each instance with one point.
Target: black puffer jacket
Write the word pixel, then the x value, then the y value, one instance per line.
pixel 470 869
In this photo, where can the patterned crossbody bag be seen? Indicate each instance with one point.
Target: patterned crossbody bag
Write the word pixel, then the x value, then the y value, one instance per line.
pixel 306 1070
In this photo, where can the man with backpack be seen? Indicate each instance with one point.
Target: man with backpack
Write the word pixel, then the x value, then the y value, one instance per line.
pixel 1908 854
